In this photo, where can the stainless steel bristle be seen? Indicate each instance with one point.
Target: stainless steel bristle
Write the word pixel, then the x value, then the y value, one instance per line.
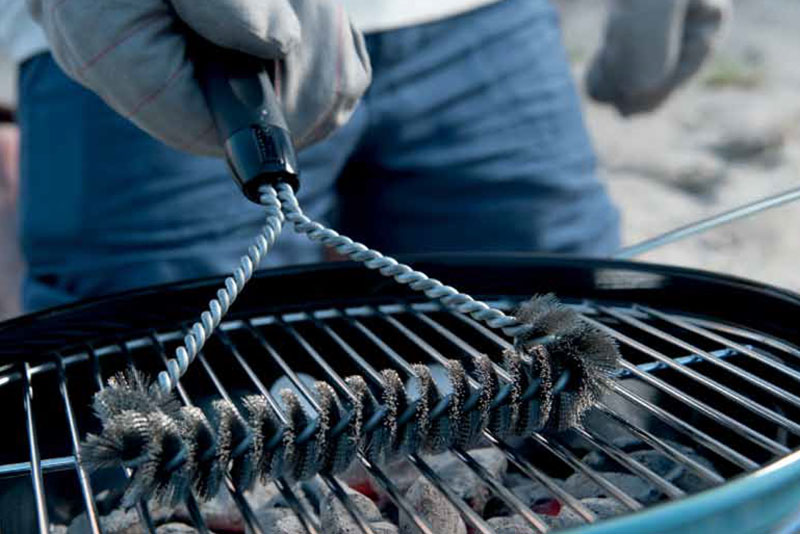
pixel 384 440
pixel 479 418
pixel 580 358
pixel 163 476
pixel 451 389
pixel 347 420
pixel 124 442
pixel 268 463
pixel 202 466
pixel 414 420
pixel 583 359
pixel 130 391
pixel 531 399
pixel 304 450
pixel 234 439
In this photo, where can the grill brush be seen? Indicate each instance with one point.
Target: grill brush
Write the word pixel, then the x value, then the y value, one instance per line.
pixel 558 365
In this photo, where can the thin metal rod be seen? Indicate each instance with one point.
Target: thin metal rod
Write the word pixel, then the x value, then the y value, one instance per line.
pixel 500 490
pixel 48 465
pixel 704 225
pixel 141 506
pixel 194 510
pixel 469 515
pixel 83 478
pixel 458 342
pixel 704 355
pixel 657 443
pixel 533 473
pixel 394 494
pixel 684 397
pixel 341 495
pixel 745 402
pixel 706 410
pixel 36 473
pixel 698 436
pixel 371 373
pixel 671 319
pixel 634 466
pixel 568 457
pixel 747 334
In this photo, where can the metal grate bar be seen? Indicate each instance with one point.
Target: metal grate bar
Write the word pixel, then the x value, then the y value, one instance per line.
pixel 706 356
pixel 395 495
pixel 500 490
pixel 658 444
pixel 469 515
pixel 676 321
pixel 631 464
pixel 712 413
pixel 566 456
pixel 746 334
pixel 682 426
pixel 682 396
pixel 36 472
pixel 83 478
pixel 141 507
pixel 535 474
pixel 332 483
pixel 285 489
pixel 745 402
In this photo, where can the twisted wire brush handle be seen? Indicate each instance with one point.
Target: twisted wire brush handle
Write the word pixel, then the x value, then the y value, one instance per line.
pixel 400 272
pixel 259 152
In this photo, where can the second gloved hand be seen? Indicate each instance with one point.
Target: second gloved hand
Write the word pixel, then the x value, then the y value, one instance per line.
pixel 134 55
pixel 651 47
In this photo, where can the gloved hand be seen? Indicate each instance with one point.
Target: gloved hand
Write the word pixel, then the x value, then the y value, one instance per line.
pixel 651 47
pixel 133 54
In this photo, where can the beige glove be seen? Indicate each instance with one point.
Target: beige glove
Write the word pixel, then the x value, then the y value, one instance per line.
pixel 651 47
pixel 133 54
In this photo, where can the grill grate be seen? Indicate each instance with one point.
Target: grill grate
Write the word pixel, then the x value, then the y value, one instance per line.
pixel 717 388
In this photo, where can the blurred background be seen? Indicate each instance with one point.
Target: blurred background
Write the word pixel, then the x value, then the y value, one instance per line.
pixel 730 136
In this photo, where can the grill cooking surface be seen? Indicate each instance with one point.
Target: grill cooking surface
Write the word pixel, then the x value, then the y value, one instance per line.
pixel 699 401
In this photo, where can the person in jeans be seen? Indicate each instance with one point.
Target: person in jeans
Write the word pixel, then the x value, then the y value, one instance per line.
pixel 470 136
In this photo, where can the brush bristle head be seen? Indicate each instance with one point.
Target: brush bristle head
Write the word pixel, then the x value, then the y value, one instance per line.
pixel 383 441
pixel 131 391
pixel 342 449
pixel 233 441
pixel 163 476
pixel 264 425
pixel 559 339
pixel 124 441
pixel 531 397
pixel 450 382
pixel 421 390
pixel 304 456
pixel 590 357
pixel 203 468
pixel 482 417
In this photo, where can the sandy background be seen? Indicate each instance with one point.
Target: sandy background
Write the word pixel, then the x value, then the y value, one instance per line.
pixel 729 137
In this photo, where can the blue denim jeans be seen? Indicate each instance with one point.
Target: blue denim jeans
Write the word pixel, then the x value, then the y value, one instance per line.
pixel 470 139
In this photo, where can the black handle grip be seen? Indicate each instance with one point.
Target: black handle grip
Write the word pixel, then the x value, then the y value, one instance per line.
pixel 239 92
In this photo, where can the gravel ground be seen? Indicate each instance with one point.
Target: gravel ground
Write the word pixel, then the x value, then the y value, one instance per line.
pixel 729 137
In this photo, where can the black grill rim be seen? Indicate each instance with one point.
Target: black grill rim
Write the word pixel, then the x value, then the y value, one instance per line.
pixel 738 301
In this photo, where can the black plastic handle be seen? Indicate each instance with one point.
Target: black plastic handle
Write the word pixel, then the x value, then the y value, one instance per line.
pixel 248 116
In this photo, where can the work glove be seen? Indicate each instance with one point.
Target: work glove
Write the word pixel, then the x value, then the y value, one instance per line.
pixel 651 47
pixel 133 53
